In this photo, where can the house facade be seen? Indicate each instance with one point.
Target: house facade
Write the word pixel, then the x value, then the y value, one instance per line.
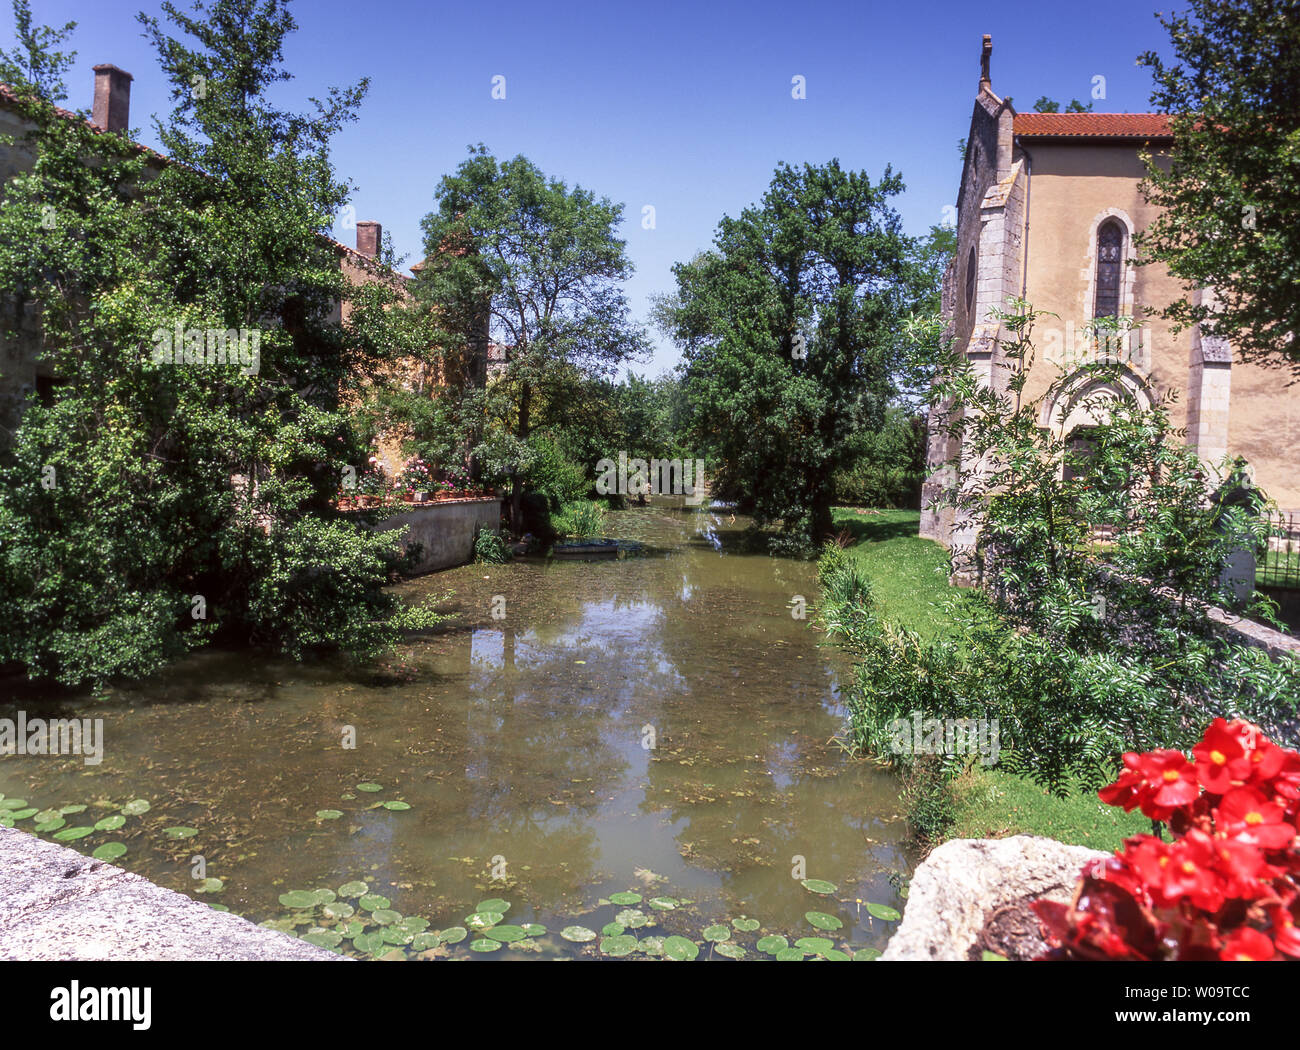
pixel 1047 211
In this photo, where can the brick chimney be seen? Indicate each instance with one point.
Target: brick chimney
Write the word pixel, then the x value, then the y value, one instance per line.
pixel 369 236
pixel 986 53
pixel 112 108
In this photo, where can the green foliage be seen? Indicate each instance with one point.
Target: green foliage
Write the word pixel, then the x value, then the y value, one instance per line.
pixel 886 467
pixel 151 504
pixel 551 473
pixel 1230 188
pixel 34 66
pixel 1047 105
pixel 790 332
pixel 490 548
pixel 580 519
pixel 928 799
pixel 1080 650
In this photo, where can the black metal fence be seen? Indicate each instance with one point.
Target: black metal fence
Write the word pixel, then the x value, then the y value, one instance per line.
pixel 1280 564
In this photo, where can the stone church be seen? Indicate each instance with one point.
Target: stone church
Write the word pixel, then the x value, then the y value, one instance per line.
pixel 1047 211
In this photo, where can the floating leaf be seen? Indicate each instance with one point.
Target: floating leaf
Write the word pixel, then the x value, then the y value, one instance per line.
pixel 325 895
pixel 373 902
pixel 493 904
pixel 217 907
pixel 338 910
pixel 883 911
pixel 298 899
pixel 328 814
pixel 662 903
pixel 632 918
pixel 46 815
pixel 453 935
pixel 835 955
pixel 110 823
pixel 397 935
pixel 823 921
pixel 731 951
pixel 816 945
pixel 67 811
pixel 988 956
pixel 789 955
pixel 534 929
pixel 395 805
pixel 745 925
pixel 484 944
pixel 353 890
pixel 482 920
pixel 652 945
pixel 369 943
pixel 612 929
pixel 508 934
pixel 623 944
pixel 23 814
pixel 625 898
pixel 717 933
pixel 210 886
pixel 578 934
pixel 819 886
pixel 136 807
pixel 51 825
pixel 180 832
pixel 68 834
pixel 109 851
pixel 324 939
pixel 414 924
pixel 385 916
pixel 422 942
pixel 680 949
pixel 863 954
pixel 370 787
pixel 772 943
pixel 21 803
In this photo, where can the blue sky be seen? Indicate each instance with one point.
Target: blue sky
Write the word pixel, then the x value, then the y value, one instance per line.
pixel 686 107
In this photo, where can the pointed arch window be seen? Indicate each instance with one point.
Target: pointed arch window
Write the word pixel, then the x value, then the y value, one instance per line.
pixel 1110 263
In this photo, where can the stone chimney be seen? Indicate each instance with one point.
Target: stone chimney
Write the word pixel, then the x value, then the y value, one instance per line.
pixel 112 108
pixel 369 237
pixel 986 54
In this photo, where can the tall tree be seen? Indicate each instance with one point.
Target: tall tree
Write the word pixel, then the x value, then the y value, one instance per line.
pixel 1231 188
pixel 548 262
pixel 34 63
pixel 789 330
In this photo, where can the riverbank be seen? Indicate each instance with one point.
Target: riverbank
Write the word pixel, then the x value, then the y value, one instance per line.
pixel 909 581
pixel 61 905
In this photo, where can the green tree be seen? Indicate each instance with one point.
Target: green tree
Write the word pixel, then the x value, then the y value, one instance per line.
pixel 547 261
pixel 1230 189
pixel 34 64
pixel 790 332
pixel 157 501
pixel 1047 105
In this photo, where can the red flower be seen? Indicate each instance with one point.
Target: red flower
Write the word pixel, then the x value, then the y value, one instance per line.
pixel 1286 934
pixel 1245 814
pixel 1247 945
pixel 1158 782
pixel 1221 758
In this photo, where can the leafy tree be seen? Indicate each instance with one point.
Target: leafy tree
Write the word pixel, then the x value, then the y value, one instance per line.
pixel 1046 105
pixel 1230 189
pixel 547 261
pixel 154 502
pixel 34 65
pixel 789 330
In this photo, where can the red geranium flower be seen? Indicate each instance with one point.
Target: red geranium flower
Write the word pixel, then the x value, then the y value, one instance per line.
pixel 1158 782
pixel 1245 814
pixel 1221 758
pixel 1247 945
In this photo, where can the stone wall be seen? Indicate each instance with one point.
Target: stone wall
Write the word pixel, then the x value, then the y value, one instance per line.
pixel 445 530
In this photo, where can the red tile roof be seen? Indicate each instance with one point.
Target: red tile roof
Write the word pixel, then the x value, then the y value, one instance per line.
pixel 1093 125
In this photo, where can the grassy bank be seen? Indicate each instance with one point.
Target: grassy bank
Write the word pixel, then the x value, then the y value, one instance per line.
pixel 909 582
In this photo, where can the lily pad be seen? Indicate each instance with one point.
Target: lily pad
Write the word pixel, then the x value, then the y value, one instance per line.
pixel 730 951
pixel 578 934
pixel 396 805
pixel 369 943
pixel 662 903
pixel 23 814
pixel 18 803
pixel 109 851
pixel 328 814
pixel 745 925
pixel 508 934
pixel 617 947
pixel 453 935
pixel 483 920
pixel 370 787
pixel 414 924
pixel 883 911
pixel 816 945
pixel 385 916
pixel 493 904
pixel 50 825
pixel 210 886
pixel 353 890
pixel 324 939
pixel 988 956
pixel 679 949
pixel 180 832
pixel 373 902
pixel 67 811
pixel 865 954
pixel 835 955
pixel 717 933
pixel 422 942
pixel 819 886
pixel 68 834
pixel 534 929
pixel 338 910
pixel 110 823
pixel 484 944
pixel 632 918
pixel 136 807
pixel 298 899
pixel 789 955
pixel 772 944
pixel 625 898
pixel 612 929
pixel 823 921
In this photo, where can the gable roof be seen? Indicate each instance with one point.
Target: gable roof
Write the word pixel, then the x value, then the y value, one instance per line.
pixel 1093 125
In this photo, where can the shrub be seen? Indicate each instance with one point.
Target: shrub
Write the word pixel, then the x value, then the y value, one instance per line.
pixel 580 519
pixel 1227 886
pixel 490 548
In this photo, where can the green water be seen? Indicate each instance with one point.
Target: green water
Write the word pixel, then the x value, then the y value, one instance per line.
pixel 520 742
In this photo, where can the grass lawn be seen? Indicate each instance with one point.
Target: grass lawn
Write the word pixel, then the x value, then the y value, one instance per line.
pixel 909 580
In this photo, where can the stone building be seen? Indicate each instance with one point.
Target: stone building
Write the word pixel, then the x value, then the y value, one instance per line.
pixel 1047 211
